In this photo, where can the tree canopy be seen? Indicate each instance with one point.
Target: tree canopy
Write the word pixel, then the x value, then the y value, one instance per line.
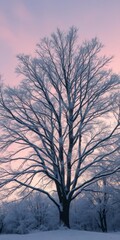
pixel 60 126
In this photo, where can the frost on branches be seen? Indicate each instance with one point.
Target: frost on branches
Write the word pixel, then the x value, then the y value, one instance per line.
pixel 60 126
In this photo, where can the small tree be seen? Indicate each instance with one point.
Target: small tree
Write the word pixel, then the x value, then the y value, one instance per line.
pixel 100 198
pixel 58 124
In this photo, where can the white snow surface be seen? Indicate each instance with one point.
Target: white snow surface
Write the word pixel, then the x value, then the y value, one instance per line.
pixel 62 235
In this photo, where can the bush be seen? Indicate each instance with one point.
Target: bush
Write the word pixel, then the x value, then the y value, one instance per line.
pixel 29 214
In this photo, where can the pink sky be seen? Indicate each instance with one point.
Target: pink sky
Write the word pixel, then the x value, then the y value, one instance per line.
pixel 24 22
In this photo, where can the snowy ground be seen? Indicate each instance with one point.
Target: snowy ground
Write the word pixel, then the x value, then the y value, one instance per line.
pixel 63 235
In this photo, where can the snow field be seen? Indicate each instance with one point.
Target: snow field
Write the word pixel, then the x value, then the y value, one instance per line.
pixel 63 235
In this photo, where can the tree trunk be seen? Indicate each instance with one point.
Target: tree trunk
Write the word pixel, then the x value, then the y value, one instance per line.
pixel 64 213
pixel 103 221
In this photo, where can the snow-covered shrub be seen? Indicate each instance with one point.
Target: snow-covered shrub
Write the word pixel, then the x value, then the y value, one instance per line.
pixel 18 219
pixel 35 212
pixel 44 212
pixel 83 214
pixel 114 212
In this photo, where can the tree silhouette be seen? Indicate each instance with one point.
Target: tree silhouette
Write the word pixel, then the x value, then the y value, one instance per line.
pixel 61 124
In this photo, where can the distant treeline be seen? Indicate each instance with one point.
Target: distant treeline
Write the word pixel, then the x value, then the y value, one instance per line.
pixel 97 209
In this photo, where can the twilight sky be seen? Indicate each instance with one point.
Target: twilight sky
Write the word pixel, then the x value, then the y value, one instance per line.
pixel 24 22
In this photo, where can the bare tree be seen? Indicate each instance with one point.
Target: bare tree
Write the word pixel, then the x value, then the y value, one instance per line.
pixel 61 123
